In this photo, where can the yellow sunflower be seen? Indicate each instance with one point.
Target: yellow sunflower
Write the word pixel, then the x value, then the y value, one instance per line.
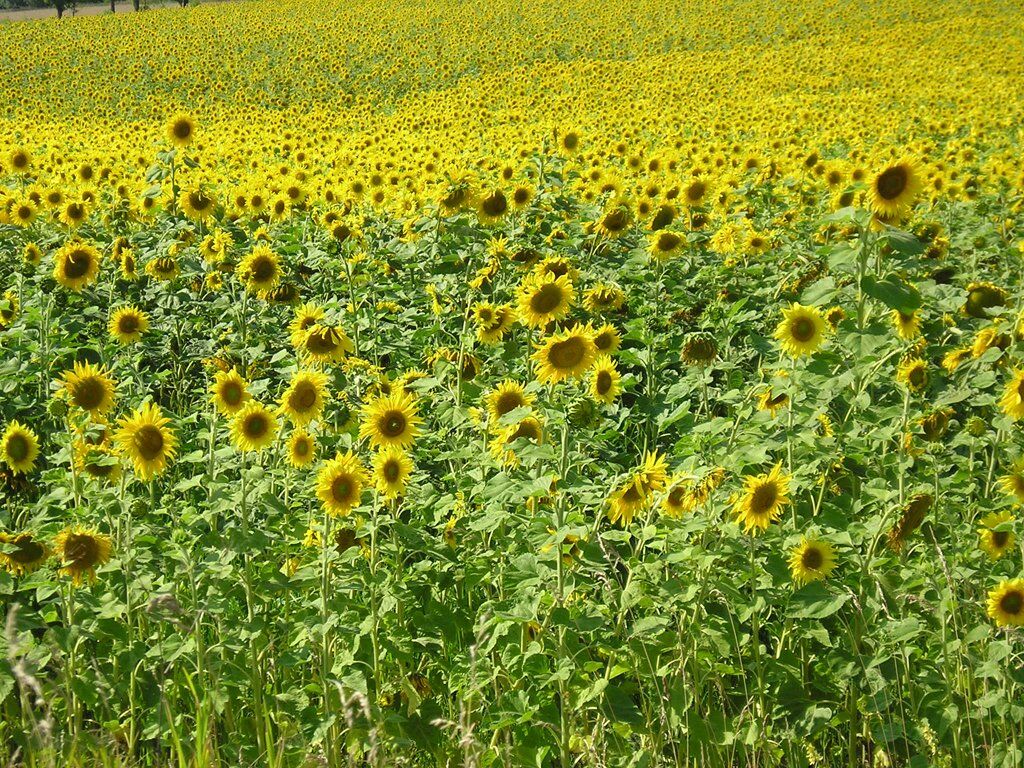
pixel 97 461
pixel 304 399
pixel 665 244
pixel 801 331
pixel 19 448
pixel 391 470
pixel 229 392
pixel 197 204
pixel 260 271
pixel 762 500
pixel 390 420
pixel 528 428
pixel 913 374
pixel 254 427
pixel 80 551
pixel 811 560
pixel 893 190
pixel 89 388
pixel 76 265
pixel 301 449
pixel 1013 482
pixel 996 536
pixel 562 355
pixel 543 298
pixel 22 553
pixel 127 324
pixel 181 130
pixel 605 380
pixel 508 396
pixel 325 344
pixel 1012 401
pixel 306 316
pixel 493 321
pixel 1006 603
pixel 147 441
pixel 340 484
pixel 607 339
pixel 908 326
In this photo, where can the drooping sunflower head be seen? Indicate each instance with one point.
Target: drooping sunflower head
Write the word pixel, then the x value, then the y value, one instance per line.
pixel 301 449
pixel 306 316
pixel 908 325
pixel 181 130
pixel 89 388
pixel 254 427
pixel 391 470
pixel 390 420
pixel 1006 603
pixel 801 331
pixel 19 448
pixel 304 399
pixel 678 499
pixel 76 265
pixel 543 298
pixel 127 324
pixel 811 560
pixel 229 392
pixel 910 520
pixel 340 484
pixel 563 355
pixel 616 219
pixel 983 296
pixel 762 500
pixel 81 551
pixel 604 297
pixel 699 349
pixel 22 553
pixel 996 534
pixel 163 268
pixel 529 428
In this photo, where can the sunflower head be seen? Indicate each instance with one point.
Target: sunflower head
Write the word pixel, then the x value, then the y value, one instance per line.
pixel 391 420
pixel 147 441
pixel 80 551
pixel 1006 603
pixel 301 449
pixel 127 325
pixel 89 388
pixel 181 130
pixel 811 560
pixel 762 500
pixel 894 188
pixel 253 427
pixel 391 470
pixel 76 265
pixel 605 380
pixel 19 448
pixel 22 553
pixel 508 396
pixel 304 399
pixel 340 484
pixel 543 298
pixel 801 331
pixel 563 355
pixel 996 534
pixel 229 392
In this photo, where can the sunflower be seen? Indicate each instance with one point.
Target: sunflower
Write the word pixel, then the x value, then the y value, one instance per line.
pixel 391 470
pixel 89 388
pixel 678 499
pixel 325 344
pixel 306 316
pixel 811 560
pixel 982 297
pixel 260 271
pixel 801 331
pixel 340 484
pixel 910 520
pixel 127 324
pixel 562 355
pixel 22 553
pixel 1006 603
pixel 615 220
pixel 145 438
pixel 762 500
pixel 181 130
pixel 996 536
pixel 913 373
pixel 508 396
pixel 908 326
pixel 769 401
pixel 1012 401
pixel 197 204
pixel 894 188
pixel 1013 483
pixel 605 380
pixel 699 349
pixel 96 461
pixel 493 322
pixel 164 268
pixel 32 254
pixel 625 502
pixel 528 428
pixel 543 298
pixel 491 206
pixel 253 427
pixel 76 265
pixel 80 550
pixel 604 297
pixel 304 399
pixel 607 339
pixel 665 244
pixel 390 420
pixel 301 449
pixel 229 392
pixel 19 448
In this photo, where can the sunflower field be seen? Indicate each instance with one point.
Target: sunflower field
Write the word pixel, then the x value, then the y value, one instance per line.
pixel 546 383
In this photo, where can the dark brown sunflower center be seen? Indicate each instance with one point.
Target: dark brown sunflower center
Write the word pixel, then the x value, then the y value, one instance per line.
pixel 891 183
pixel 615 221
pixel 182 130
pixel 78 264
pixel 89 393
pixel 568 354
pixel 231 392
pixel 263 269
pixel 802 329
pixel 668 241
pixel 763 498
pixel 392 423
pixel 508 401
pixel 521 195
pixel 604 382
pixel 603 341
pixel 321 341
pixel 301 447
pixel 81 550
pixel 26 551
pixel 526 429
pixel 303 397
pixel 547 299
pixel 341 489
pixel 1012 603
pixel 149 442
pixel 391 471
pixel 1000 538
pixel 255 426
pixel 17 447
pixel 812 558
pixel 128 324
pixel 199 201
pixel 494 204
pixel 696 191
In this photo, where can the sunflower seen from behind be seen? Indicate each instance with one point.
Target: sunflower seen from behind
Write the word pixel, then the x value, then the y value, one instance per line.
pixel 146 440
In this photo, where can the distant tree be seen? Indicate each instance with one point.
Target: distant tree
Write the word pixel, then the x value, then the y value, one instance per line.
pixel 136 3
